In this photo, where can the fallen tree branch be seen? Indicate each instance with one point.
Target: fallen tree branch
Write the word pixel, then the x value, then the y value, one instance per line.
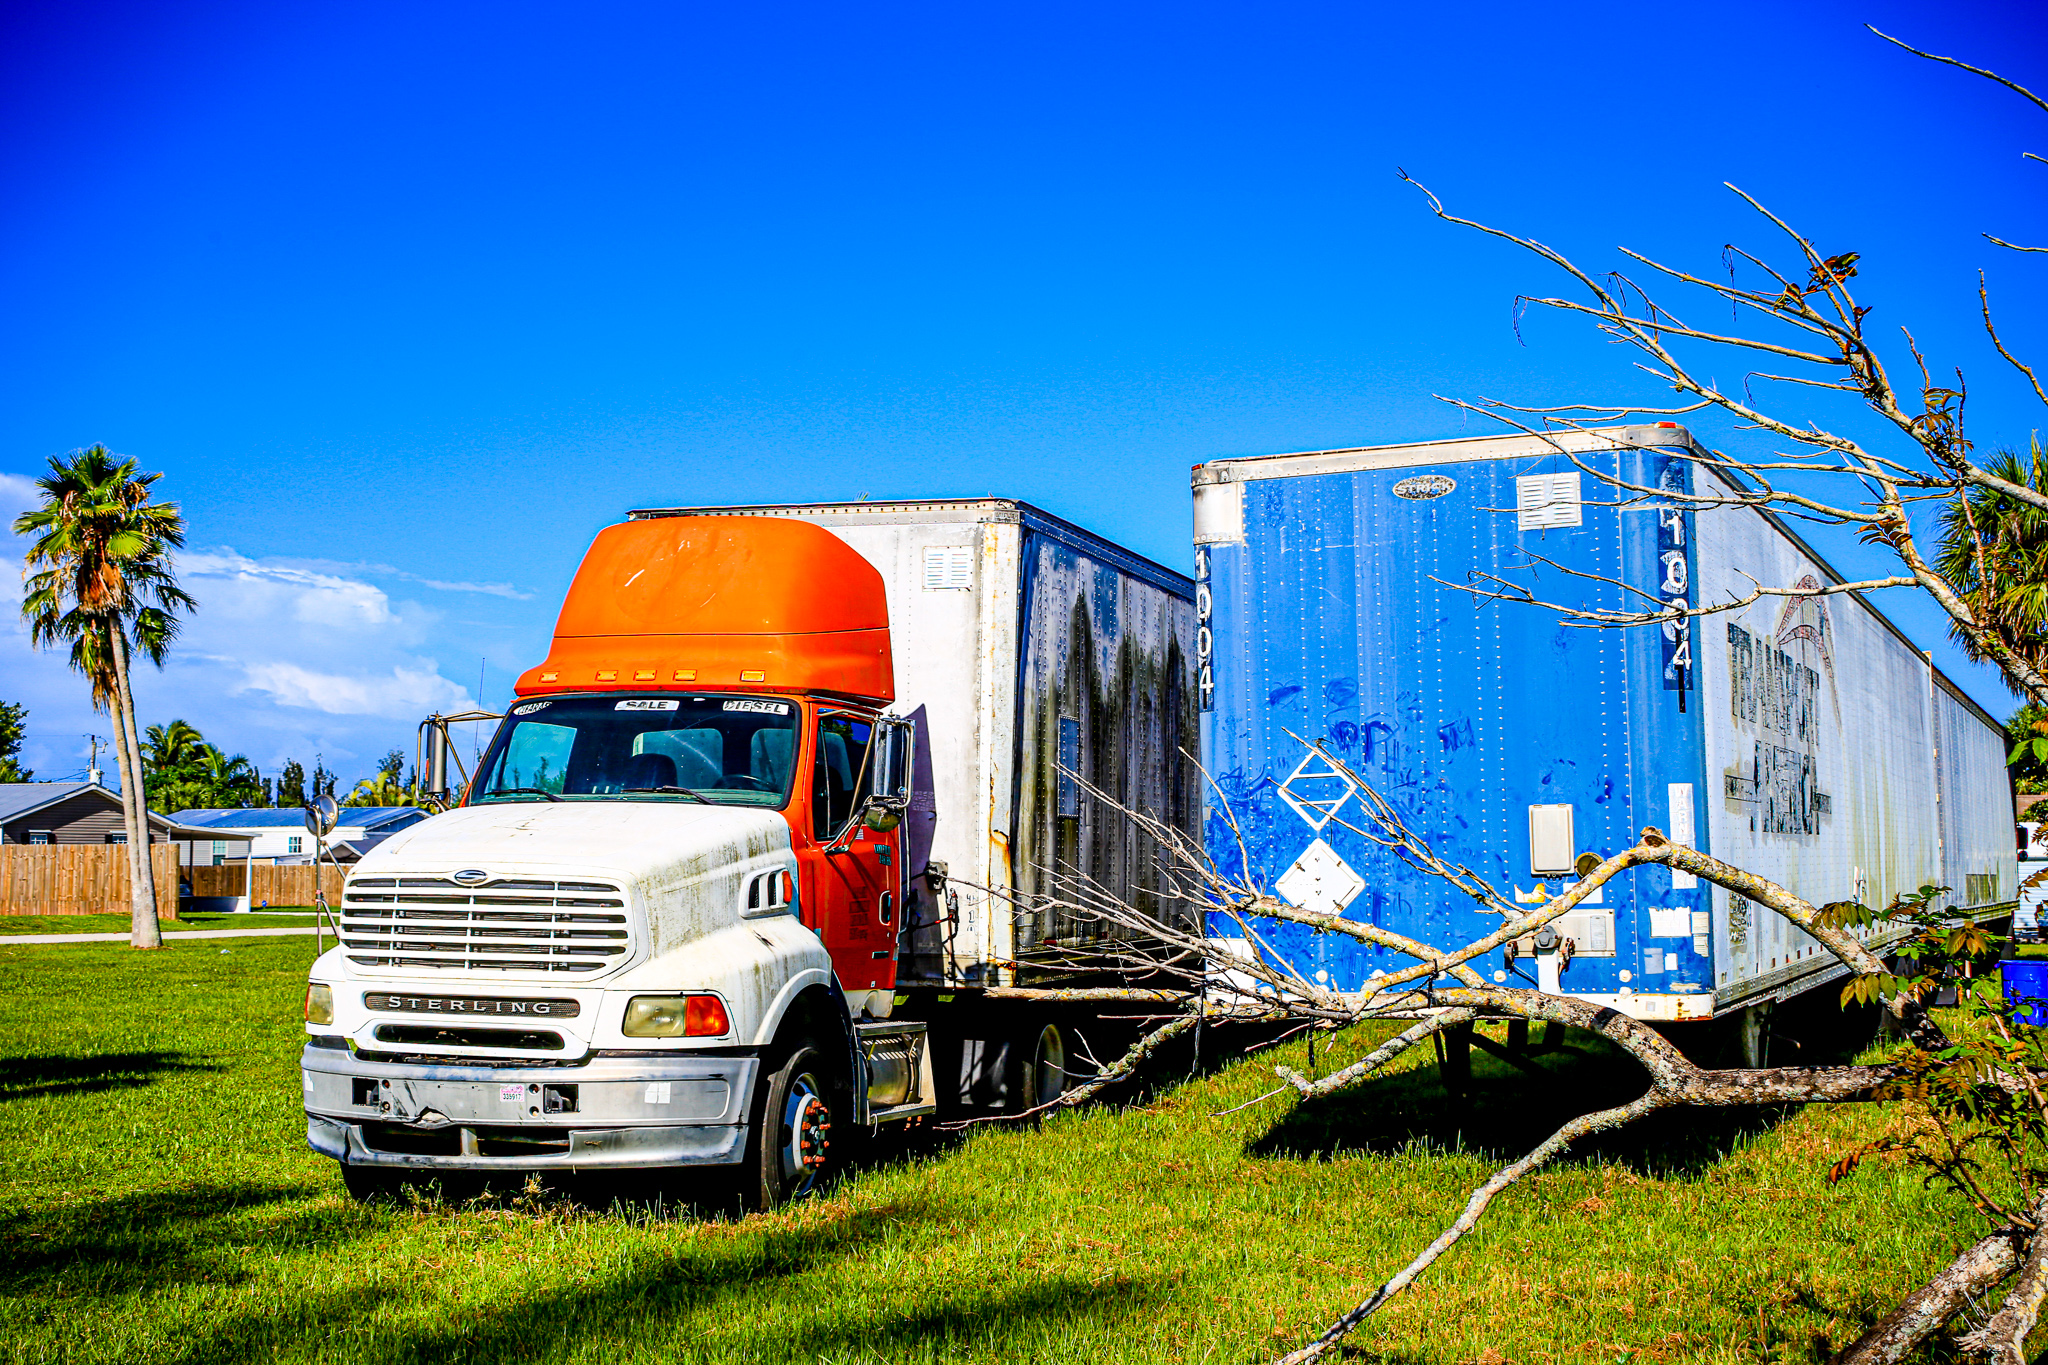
pixel 2003 1340
pixel 1583 1126
pixel 1927 1309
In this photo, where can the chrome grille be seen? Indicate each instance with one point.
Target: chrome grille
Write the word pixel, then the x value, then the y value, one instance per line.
pixel 510 925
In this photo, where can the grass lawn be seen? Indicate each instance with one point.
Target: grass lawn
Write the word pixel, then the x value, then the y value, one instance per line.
pixel 112 924
pixel 158 1204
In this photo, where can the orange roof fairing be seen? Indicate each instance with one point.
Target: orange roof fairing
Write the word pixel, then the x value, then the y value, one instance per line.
pixel 753 604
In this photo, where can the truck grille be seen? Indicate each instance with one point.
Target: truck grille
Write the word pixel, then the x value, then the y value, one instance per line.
pixel 520 926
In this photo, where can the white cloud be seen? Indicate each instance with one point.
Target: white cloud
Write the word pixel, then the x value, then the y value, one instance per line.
pixel 346 568
pixel 282 659
pixel 405 694
pixel 505 590
pixel 244 589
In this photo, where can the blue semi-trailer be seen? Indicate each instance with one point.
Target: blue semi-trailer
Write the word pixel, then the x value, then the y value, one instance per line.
pixel 1802 738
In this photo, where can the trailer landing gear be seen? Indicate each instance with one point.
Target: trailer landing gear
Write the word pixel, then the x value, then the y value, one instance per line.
pixel 1454 1052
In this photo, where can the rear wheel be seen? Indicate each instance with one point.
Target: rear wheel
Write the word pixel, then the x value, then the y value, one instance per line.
pixel 1046 1078
pixel 791 1144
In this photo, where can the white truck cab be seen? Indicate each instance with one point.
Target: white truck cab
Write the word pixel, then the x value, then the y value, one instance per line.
pixel 659 930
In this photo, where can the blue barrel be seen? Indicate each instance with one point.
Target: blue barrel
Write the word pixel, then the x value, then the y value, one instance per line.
pixel 2026 990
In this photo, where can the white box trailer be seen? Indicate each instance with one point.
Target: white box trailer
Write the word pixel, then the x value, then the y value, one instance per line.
pixel 1848 766
pixel 1022 644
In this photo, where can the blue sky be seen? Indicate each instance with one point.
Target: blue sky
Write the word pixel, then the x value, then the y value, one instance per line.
pixel 408 301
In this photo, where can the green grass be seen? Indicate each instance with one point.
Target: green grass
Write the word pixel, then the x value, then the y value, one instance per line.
pixel 158 1204
pixel 110 924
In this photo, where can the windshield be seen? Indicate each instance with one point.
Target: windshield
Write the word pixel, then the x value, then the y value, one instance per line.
pixel 729 751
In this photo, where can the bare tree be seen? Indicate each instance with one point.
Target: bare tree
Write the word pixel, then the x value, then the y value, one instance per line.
pixel 1812 326
pixel 1980 1082
pixel 1986 1084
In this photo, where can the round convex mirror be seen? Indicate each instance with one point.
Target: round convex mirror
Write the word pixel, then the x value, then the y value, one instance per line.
pixel 321 815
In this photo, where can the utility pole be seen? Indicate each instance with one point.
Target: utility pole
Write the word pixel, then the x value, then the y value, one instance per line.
pixel 92 767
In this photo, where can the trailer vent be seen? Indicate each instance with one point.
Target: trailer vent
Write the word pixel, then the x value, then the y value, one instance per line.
pixel 513 925
pixel 949 566
pixel 1546 501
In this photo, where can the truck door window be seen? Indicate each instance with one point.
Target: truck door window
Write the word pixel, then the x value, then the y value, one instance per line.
pixel 839 777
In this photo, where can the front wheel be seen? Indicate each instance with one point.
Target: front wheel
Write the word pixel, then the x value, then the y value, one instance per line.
pixel 792 1141
pixel 365 1183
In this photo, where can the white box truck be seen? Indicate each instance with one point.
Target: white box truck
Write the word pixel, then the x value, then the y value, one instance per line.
pixel 758 850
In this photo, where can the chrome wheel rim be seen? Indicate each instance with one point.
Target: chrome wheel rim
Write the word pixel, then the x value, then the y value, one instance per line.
pixel 806 1124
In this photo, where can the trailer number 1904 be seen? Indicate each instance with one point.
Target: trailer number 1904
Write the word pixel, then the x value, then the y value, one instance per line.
pixel 1674 562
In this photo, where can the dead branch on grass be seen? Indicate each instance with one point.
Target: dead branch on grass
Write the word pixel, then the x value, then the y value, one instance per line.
pixel 1240 978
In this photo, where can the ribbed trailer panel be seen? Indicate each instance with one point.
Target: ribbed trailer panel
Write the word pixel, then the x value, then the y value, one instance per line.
pixel 1353 598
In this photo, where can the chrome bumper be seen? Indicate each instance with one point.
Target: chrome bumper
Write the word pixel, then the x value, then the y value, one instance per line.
pixel 609 1113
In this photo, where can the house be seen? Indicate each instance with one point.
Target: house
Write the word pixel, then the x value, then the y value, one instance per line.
pixel 77 813
pixel 280 836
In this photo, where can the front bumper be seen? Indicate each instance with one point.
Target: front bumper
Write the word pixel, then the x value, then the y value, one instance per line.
pixel 610 1113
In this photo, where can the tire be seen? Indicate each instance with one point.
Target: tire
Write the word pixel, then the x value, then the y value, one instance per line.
pixel 365 1183
pixel 1045 1076
pixel 791 1149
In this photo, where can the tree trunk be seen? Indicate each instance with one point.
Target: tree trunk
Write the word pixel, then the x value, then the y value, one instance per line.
pixel 143 931
pixel 122 739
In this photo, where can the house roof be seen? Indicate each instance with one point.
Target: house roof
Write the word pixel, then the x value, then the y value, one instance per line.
pixel 18 799
pixel 291 817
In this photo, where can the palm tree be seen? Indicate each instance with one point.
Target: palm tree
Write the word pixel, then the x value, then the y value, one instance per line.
pixel 228 780
pixel 101 581
pixel 1994 549
pixel 171 749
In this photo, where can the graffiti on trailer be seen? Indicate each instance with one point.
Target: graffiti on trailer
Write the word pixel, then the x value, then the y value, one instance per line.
pixel 1774 693
pixel 1804 620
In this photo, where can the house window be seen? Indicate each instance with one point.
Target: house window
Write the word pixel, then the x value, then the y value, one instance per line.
pixel 39 836
pixel 294 843
pixel 119 836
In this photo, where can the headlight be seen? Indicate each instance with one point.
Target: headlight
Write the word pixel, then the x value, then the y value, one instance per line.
pixel 675 1016
pixel 319 1003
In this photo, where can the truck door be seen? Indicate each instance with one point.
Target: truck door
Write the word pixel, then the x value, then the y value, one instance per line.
pixel 852 875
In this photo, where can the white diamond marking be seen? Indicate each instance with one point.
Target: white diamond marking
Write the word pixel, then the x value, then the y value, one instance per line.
pixel 1317 790
pixel 1320 882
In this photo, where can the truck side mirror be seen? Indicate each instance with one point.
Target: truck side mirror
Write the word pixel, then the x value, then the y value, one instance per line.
pixel 890 757
pixel 892 760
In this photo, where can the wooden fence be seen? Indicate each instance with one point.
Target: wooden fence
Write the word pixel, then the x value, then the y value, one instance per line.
pixel 80 879
pixel 266 883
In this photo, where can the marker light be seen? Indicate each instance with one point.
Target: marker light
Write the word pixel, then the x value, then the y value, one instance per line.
pixel 675 1016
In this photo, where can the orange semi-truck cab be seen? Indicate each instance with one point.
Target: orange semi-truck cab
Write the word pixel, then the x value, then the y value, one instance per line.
pixel 662 927
pixel 741 661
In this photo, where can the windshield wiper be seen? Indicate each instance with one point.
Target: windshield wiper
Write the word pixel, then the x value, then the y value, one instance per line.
pixel 698 797
pixel 523 791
